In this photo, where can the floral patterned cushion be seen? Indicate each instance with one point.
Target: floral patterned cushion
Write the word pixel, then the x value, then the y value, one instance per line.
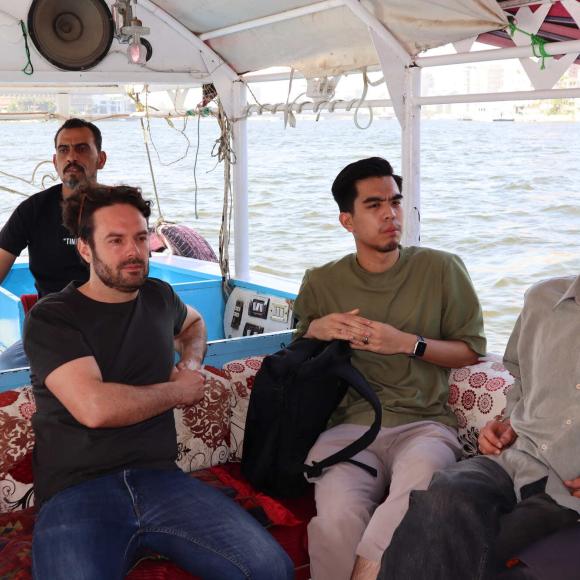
pixel 202 437
pixel 16 443
pixel 241 374
pixel 477 394
pixel 203 429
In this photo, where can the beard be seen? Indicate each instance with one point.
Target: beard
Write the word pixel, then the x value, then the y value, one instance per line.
pixel 117 279
pixel 74 180
pixel 390 247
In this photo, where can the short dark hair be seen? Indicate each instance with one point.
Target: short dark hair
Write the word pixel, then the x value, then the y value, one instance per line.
pixel 78 209
pixel 399 181
pixel 75 123
pixel 344 186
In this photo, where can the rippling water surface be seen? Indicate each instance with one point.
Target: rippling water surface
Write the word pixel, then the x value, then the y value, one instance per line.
pixel 504 196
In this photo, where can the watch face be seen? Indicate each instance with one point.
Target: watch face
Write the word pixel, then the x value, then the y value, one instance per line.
pixel 420 348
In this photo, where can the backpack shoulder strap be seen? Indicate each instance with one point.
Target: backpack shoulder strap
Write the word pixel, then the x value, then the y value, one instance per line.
pixel 355 380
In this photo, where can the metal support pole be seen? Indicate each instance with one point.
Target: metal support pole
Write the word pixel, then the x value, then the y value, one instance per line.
pixel 410 158
pixel 240 182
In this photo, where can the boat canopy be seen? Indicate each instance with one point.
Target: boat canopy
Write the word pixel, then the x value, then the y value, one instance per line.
pixel 319 41
pixel 225 43
pixel 315 38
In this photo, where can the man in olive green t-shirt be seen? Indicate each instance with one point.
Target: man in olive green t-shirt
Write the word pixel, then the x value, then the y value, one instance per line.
pixel 409 314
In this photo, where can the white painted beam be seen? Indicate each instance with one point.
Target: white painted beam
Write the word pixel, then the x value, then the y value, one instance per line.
pixel 572 93
pixel 552 48
pixel 213 59
pixel 140 76
pixel 506 4
pixel 285 75
pixel 280 17
pixel 379 28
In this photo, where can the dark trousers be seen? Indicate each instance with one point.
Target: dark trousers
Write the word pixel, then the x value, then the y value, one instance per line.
pixel 468 523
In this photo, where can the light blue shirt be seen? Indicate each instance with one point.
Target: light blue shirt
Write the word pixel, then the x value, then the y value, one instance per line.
pixel 543 405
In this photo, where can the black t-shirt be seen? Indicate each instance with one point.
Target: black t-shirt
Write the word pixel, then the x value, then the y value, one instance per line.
pixel 52 255
pixel 132 343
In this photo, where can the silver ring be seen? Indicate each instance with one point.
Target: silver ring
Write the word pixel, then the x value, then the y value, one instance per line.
pixel 365 339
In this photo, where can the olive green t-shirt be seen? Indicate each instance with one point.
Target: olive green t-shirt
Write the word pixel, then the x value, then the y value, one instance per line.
pixel 428 293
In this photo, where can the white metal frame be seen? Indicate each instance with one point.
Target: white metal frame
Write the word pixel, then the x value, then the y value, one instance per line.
pixel 405 91
pixel 410 95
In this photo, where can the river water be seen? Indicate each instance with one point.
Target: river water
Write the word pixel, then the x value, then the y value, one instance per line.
pixel 504 196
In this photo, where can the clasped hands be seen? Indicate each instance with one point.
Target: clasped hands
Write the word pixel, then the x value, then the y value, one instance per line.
pixel 360 332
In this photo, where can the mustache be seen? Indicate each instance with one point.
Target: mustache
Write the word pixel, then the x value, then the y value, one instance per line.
pixel 132 262
pixel 73 164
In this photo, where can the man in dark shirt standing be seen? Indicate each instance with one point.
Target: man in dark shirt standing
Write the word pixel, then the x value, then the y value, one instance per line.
pixel 37 223
pixel 102 367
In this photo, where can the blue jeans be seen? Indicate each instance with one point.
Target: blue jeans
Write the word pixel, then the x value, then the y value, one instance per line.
pixel 13 357
pixel 98 529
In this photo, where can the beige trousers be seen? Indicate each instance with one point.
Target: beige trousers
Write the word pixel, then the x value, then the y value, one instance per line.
pixel 355 516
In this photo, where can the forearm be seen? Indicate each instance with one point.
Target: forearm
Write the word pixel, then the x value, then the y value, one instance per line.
pixel 191 343
pixel 6 261
pixel 119 405
pixel 443 353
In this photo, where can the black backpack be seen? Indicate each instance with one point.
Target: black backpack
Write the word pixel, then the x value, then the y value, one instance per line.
pixel 294 394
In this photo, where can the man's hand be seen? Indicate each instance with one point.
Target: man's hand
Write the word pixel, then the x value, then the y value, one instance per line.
pixel 496 436
pixel 574 486
pixel 340 325
pixel 384 339
pixel 191 384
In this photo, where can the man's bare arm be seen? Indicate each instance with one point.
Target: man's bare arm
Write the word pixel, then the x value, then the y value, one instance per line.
pixel 386 339
pixel 79 386
pixel 6 262
pixel 365 334
pixel 191 342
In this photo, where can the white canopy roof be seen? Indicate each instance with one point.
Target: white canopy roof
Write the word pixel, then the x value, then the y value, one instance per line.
pixel 317 38
pixel 332 40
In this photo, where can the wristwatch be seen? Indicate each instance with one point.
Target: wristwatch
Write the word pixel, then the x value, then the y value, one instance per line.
pixel 420 347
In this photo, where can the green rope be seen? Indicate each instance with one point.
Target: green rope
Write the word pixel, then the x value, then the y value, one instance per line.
pixel 538 43
pixel 28 69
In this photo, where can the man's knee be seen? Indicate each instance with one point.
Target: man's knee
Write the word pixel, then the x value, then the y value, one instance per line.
pixel 417 471
pixel 271 562
pixel 479 476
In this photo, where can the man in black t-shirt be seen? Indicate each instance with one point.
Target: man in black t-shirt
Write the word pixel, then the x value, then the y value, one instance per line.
pixel 37 222
pixel 101 355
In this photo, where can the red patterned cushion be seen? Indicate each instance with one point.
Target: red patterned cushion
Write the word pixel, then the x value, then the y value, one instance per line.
pixel 16 443
pixel 16 544
pixel 241 373
pixel 203 428
pixel 477 394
